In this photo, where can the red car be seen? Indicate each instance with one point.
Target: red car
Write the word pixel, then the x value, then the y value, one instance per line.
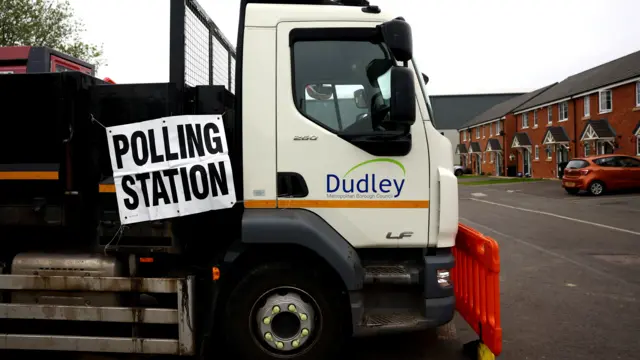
pixel 597 174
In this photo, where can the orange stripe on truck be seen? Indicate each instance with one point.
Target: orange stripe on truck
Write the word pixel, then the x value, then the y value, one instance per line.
pixel 107 188
pixel 337 204
pixel 29 175
pixel 334 204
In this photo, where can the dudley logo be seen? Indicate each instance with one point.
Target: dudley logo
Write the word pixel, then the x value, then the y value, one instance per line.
pixel 370 184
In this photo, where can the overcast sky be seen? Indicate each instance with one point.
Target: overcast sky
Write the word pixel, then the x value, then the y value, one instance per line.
pixel 464 46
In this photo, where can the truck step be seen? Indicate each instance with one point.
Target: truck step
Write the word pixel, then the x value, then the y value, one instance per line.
pixel 392 274
pixel 393 320
pixel 376 323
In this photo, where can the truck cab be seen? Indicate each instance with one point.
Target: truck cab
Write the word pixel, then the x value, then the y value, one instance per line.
pixel 342 157
pixel 349 162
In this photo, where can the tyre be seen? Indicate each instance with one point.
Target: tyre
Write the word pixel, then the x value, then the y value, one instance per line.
pixel 278 311
pixel 459 172
pixel 596 188
pixel 572 191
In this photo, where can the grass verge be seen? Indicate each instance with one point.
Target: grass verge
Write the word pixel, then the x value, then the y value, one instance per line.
pixel 474 177
pixel 497 181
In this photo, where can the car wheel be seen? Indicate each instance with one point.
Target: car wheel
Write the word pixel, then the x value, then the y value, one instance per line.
pixel 280 311
pixel 572 191
pixel 458 172
pixel 596 188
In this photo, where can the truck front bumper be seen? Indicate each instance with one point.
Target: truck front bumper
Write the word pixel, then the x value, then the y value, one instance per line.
pixel 439 298
pixel 423 298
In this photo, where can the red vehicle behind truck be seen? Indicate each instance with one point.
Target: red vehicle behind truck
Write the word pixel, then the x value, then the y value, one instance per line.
pixel 603 173
pixel 39 59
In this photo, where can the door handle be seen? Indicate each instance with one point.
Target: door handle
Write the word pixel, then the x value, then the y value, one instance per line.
pixel 292 185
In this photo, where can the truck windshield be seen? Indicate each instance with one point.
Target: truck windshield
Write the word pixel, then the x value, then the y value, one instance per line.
pixel 343 86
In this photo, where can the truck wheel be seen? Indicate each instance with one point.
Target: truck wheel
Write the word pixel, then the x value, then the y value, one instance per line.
pixel 279 311
pixel 459 172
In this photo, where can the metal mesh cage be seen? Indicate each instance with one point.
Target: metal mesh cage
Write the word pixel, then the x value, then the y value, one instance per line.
pixel 220 63
pixel 200 54
pixel 232 64
pixel 196 49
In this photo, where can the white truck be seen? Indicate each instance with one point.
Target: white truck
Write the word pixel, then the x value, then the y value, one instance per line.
pixel 342 224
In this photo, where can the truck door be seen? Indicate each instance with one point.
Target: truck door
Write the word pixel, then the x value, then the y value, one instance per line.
pixel 329 87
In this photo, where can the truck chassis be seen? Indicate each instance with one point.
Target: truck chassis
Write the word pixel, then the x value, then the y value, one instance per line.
pixel 181 316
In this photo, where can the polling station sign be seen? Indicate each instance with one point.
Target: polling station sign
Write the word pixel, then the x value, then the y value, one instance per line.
pixel 170 167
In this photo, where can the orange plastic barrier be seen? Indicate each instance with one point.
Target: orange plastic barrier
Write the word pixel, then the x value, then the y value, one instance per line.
pixel 476 281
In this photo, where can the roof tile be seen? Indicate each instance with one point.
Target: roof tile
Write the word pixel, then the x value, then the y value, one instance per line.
pixel 620 69
pixel 499 110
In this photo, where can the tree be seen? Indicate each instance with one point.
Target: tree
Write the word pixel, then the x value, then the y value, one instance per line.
pixel 49 23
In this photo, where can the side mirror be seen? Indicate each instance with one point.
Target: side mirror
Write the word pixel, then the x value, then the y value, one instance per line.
pixel 403 96
pixel 359 98
pixel 425 78
pixel 397 35
pixel 319 92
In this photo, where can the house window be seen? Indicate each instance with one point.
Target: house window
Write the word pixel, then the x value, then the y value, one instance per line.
pixel 638 145
pixel 493 157
pixel 525 120
pixel 484 157
pixel 606 101
pixel 498 127
pixel 586 149
pixel 638 93
pixel 587 106
pixel 563 111
pixel 535 118
pixel 464 136
pixel 477 133
pixel 548 151
pixel 483 131
pixel 549 115
pixel 537 153
pixel 490 130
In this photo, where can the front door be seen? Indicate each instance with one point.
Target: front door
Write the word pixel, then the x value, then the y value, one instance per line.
pixel 498 162
pixel 604 147
pixel 328 115
pixel 526 161
pixel 562 157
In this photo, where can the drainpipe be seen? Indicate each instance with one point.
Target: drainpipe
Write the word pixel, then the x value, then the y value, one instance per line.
pixel 575 129
pixel 504 149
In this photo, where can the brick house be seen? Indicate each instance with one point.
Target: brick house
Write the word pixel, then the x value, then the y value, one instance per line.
pixel 484 137
pixel 594 112
pixel 636 131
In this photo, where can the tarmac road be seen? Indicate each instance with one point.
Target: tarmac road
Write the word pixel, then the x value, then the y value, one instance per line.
pixel 570 269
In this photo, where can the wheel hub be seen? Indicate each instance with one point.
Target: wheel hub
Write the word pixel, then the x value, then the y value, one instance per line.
pixel 285 322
